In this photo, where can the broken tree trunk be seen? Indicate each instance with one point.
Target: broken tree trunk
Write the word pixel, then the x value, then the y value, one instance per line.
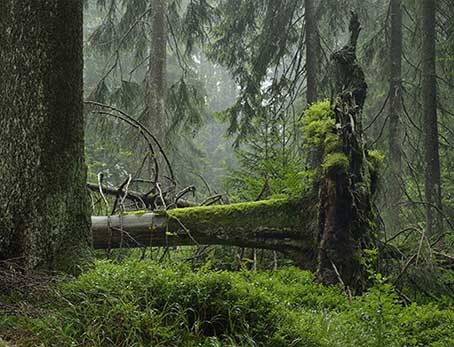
pixel 326 233
pixel 286 226
pixel 346 183
pixel 145 200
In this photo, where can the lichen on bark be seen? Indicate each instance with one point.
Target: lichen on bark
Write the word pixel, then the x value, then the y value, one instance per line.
pixel 44 213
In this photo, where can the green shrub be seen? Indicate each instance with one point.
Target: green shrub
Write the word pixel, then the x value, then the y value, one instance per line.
pixel 141 303
pixel 427 326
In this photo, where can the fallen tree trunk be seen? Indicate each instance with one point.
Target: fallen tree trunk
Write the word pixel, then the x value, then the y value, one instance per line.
pixel 286 226
pixel 327 233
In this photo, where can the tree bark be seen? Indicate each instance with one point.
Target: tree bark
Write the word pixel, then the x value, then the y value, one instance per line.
pixel 44 213
pixel 429 107
pixel 289 227
pixel 312 42
pixel 395 110
pixel 345 191
pixel 155 99
pixel 312 48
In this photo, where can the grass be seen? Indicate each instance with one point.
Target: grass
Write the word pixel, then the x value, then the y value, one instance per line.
pixel 142 303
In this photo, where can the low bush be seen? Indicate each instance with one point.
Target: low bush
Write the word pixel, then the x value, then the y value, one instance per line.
pixel 142 303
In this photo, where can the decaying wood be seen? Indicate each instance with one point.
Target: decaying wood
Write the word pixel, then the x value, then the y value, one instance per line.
pixel 326 233
pixel 142 199
pixel 289 227
pixel 345 208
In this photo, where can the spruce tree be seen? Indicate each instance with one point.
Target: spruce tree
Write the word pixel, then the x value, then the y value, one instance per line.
pixel 44 216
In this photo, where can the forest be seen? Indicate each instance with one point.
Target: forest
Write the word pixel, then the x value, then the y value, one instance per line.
pixel 232 173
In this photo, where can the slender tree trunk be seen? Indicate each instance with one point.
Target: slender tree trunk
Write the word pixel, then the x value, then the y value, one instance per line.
pixel 156 80
pixel 44 215
pixel 254 259
pixel 274 261
pixel 429 105
pixel 312 57
pixel 395 110
pixel 312 45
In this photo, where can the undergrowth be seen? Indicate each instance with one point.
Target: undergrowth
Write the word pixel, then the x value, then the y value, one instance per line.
pixel 142 303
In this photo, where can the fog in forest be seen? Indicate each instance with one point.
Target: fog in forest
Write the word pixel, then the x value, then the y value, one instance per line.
pixel 227 173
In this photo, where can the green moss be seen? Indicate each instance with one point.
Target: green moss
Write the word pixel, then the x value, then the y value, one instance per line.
pixel 319 127
pixel 332 143
pixel 335 162
pixel 362 188
pixel 278 197
pixel 375 160
pixel 247 216
pixel 137 213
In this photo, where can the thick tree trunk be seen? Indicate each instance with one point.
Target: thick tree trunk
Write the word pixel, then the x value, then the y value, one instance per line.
pixel 289 227
pixel 156 85
pixel 429 106
pixel 395 110
pixel 345 188
pixel 312 48
pixel 44 215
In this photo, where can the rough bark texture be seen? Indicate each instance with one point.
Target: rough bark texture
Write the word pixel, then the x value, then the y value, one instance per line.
pixel 43 202
pixel 286 226
pixel 156 85
pixel 429 106
pixel 345 189
pixel 395 110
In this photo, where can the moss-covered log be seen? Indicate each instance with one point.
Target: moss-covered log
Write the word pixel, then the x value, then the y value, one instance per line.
pixel 282 225
pixel 44 215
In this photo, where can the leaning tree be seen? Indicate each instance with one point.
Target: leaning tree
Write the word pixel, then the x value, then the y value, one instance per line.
pixel 44 215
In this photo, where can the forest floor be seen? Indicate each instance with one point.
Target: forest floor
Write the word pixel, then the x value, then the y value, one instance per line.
pixel 146 303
